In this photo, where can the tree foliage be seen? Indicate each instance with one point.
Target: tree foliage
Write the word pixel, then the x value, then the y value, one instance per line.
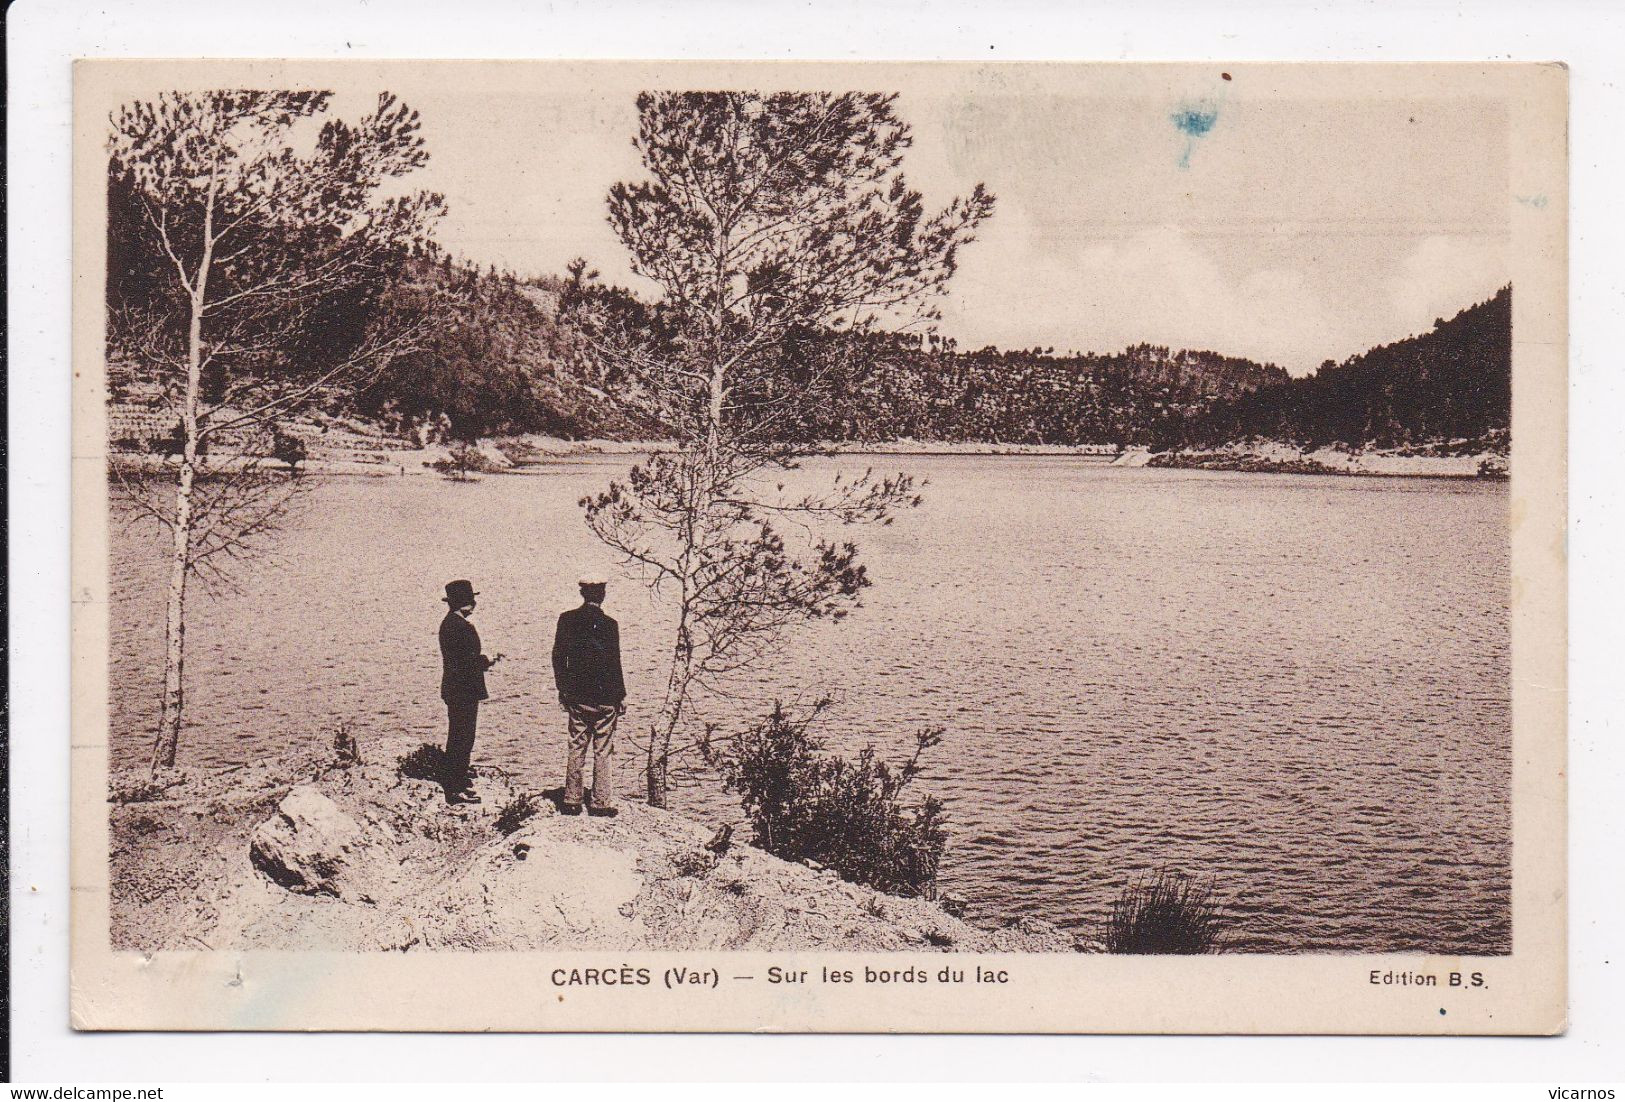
pixel 285 251
pixel 891 386
pixel 767 215
pixel 764 216
pixel 252 242
pixel 514 361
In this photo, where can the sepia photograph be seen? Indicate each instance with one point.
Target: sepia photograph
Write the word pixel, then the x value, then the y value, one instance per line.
pixel 820 533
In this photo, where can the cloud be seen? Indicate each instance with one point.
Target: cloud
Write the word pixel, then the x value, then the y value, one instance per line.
pixel 1159 284
pixel 1443 274
pixel 1172 288
pixel 1285 294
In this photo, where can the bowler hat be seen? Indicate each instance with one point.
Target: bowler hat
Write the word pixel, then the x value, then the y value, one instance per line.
pixel 459 593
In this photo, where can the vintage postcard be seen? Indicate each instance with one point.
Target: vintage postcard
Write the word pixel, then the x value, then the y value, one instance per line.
pixel 819 547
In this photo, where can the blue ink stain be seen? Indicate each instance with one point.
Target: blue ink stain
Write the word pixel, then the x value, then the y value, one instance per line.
pixel 1194 120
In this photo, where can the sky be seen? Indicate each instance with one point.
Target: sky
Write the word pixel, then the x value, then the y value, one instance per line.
pixel 1284 215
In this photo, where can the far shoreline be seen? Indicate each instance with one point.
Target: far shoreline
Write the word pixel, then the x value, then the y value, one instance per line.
pixel 519 454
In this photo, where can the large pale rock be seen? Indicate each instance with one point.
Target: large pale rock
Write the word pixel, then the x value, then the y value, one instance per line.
pixel 313 847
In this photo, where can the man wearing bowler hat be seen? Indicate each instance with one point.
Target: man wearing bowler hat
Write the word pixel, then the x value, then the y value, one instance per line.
pixel 462 687
pixel 587 670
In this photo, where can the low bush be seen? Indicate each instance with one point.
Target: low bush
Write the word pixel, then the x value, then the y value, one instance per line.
pixel 516 812
pixel 694 863
pixel 140 825
pixel 136 791
pixel 289 449
pixel 346 750
pixel 1167 913
pixel 849 814
pixel 517 451
pixel 141 789
pixel 464 459
pixel 426 763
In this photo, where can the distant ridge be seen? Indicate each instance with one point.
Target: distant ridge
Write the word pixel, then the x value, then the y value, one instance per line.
pixel 1452 383
pixel 511 364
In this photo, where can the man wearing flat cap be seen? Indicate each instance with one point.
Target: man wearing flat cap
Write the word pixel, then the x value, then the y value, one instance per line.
pixel 462 687
pixel 587 670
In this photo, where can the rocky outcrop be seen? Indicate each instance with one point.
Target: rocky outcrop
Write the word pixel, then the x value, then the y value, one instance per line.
pixel 313 847
pixel 360 858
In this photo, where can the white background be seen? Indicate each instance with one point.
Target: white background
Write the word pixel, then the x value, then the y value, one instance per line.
pixel 42 38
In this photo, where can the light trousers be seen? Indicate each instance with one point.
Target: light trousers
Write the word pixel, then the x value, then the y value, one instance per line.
pixel 591 725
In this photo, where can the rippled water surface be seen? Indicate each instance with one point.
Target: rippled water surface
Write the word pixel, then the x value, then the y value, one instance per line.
pixel 1297 686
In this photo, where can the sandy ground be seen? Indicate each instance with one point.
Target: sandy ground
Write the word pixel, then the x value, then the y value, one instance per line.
pixel 398 869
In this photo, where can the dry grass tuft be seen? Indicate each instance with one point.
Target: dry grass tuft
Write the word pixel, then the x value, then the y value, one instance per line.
pixel 1168 913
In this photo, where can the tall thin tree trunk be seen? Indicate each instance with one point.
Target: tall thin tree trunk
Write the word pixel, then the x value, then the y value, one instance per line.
pixel 169 724
pixel 169 727
pixel 657 767
pixel 657 764
pixel 656 775
pixel 713 425
pixel 700 499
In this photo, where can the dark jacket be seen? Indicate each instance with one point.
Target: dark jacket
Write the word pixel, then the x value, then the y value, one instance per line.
pixel 587 657
pixel 462 667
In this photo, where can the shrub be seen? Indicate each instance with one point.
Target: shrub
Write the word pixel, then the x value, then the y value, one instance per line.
pixel 136 791
pixel 426 763
pixel 515 812
pixel 346 750
pixel 848 814
pixel 289 449
pixel 695 863
pixel 464 458
pixel 140 825
pixel 1168 913
pixel 518 451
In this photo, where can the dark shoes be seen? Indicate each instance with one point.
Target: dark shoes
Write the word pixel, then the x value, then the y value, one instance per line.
pixel 467 796
pixel 603 812
pixel 569 809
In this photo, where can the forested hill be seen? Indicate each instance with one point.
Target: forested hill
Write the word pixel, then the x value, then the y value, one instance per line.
pixel 510 363
pixel 507 360
pixel 1451 383
pixel 897 387
pixel 504 363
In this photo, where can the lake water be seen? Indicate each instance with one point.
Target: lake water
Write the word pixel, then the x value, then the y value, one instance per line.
pixel 1295 686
